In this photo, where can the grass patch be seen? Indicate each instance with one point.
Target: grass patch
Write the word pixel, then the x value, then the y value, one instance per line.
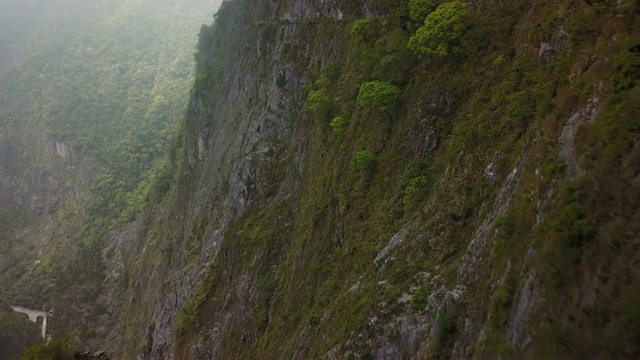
pixel 445 337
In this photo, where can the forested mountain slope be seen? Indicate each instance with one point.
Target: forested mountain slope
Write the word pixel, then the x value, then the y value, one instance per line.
pixel 401 179
pixel 381 179
pixel 90 95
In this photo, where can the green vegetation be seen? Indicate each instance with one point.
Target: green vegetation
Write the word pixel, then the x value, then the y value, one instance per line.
pixel 55 350
pixel 417 185
pixel 554 167
pixel 471 137
pixel 337 124
pixel 365 160
pixel 362 29
pixel 416 168
pixel 420 9
pixel 378 94
pixel 111 83
pixel 499 315
pixel 445 337
pixel 320 104
pixel 415 194
pixel 574 230
pixel 185 322
pixel 113 93
pixel 419 300
pixel 442 30
pixel 17 333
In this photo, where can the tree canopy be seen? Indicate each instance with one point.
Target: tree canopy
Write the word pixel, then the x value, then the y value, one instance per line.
pixel 420 9
pixel 441 31
pixel 379 94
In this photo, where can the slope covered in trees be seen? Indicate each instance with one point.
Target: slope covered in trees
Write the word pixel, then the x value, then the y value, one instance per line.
pixel 90 95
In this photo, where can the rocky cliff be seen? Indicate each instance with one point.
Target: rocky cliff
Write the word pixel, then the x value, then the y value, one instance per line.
pixel 490 211
pixel 42 182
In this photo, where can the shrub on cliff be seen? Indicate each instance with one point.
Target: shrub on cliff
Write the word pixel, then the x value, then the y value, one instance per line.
pixel 415 194
pixel 442 30
pixel 320 104
pixel 365 160
pixel 337 124
pixel 378 94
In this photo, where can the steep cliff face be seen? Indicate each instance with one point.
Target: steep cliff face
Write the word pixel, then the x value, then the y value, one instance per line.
pixel 496 215
pixel 33 168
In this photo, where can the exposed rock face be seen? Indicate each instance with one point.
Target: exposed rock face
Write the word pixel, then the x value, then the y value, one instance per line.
pixel 200 273
pixel 546 51
pixel 517 333
pixel 584 117
pixel 37 172
pixel 313 9
pixel 271 242
pixel 37 176
pixel 44 189
pixel 240 149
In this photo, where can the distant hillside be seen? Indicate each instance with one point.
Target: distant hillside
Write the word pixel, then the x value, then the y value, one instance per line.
pixel 91 93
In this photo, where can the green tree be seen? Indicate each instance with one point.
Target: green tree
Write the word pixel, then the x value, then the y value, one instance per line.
pixel 442 30
pixel 320 104
pixel 365 160
pixel 417 167
pixel 420 9
pixel 379 94
pixel 362 29
pixel 415 194
pixel 337 124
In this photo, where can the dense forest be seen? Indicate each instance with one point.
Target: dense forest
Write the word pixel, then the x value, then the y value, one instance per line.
pixel 113 83
pixel 91 96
